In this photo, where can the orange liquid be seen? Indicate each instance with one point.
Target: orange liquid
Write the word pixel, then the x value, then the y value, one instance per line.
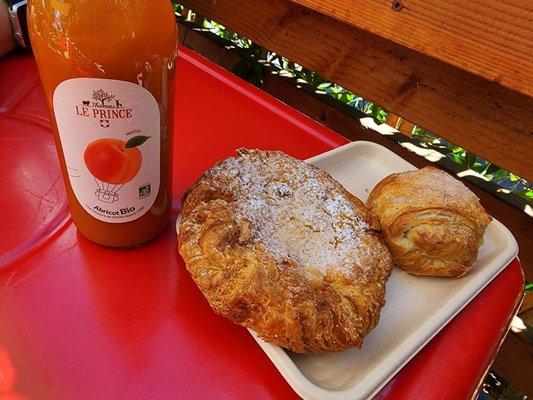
pixel 132 40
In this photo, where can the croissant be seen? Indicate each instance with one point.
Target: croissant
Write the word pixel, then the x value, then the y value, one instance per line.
pixel 431 222
pixel 279 246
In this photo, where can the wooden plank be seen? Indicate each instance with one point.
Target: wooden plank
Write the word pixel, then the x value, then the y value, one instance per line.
pixel 487 119
pixel 490 38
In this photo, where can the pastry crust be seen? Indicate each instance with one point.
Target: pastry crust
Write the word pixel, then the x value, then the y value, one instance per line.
pixel 278 246
pixel 432 223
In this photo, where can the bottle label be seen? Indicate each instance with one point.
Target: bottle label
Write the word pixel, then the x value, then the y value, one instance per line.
pixel 110 136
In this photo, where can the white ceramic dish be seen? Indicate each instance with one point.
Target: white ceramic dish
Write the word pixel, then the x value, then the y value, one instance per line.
pixel 417 308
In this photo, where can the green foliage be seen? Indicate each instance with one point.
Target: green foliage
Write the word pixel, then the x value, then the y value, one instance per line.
pixel 178 8
pixel 224 33
pixel 379 114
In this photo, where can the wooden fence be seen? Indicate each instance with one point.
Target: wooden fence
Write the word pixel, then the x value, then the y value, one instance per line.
pixel 460 68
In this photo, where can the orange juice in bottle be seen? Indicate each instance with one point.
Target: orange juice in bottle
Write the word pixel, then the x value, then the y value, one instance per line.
pixel 107 69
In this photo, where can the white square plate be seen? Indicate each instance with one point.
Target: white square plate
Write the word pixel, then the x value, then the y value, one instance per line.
pixel 417 308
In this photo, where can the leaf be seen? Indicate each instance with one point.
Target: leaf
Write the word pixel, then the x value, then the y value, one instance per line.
pixel 527 193
pixel 258 73
pixel 417 130
pixel 501 174
pixel 382 116
pixel 136 141
pixel 491 169
pixel 470 159
pixel 458 151
pixel 478 167
pixel 513 177
pixel 240 68
pixel 457 158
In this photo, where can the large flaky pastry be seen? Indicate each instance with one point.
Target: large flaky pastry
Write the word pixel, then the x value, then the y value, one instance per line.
pixel 431 222
pixel 280 247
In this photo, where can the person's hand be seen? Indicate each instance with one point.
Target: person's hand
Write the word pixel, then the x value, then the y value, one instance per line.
pixel 7 41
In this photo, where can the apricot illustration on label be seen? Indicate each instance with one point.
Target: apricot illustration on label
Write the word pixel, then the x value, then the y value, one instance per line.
pixel 113 163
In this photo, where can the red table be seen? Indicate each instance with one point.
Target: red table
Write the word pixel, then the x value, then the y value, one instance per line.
pixel 80 321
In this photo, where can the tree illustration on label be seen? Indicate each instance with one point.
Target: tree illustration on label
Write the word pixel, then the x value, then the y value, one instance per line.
pixel 102 96
pixel 113 163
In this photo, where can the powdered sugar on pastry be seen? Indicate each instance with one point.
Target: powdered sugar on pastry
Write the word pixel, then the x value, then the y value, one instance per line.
pixel 294 214
pixel 441 184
